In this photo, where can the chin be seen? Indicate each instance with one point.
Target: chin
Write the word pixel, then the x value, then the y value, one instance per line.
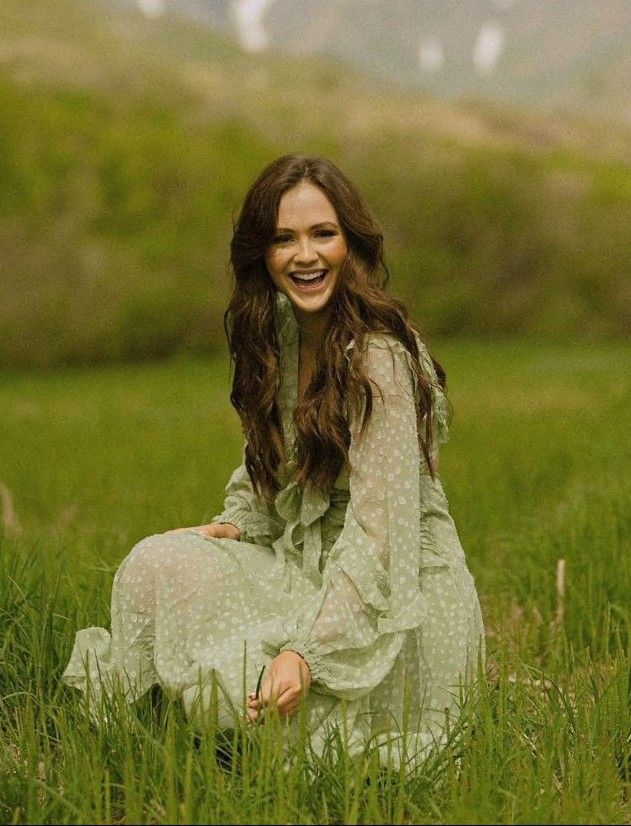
pixel 309 307
pixel 309 303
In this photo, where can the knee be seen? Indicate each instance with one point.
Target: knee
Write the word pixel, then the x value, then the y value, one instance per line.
pixel 170 555
pixel 144 557
pixel 149 547
pixel 150 544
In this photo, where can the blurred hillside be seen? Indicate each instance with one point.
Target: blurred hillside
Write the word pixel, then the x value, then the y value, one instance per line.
pixel 560 53
pixel 126 143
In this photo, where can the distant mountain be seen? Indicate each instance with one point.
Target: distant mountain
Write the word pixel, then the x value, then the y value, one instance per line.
pixel 572 54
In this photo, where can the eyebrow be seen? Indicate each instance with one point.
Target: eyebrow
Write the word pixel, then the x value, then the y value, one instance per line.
pixel 314 226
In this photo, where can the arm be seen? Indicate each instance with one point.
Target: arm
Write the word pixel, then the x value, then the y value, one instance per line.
pixel 243 509
pixel 352 630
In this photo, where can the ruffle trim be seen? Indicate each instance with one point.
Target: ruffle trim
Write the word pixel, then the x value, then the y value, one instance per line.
pixel 385 341
pixel 91 670
pixel 89 660
pixel 359 561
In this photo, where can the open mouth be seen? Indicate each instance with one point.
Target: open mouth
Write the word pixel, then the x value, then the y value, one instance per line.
pixel 309 280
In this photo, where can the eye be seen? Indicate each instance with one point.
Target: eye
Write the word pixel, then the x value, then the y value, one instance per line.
pixel 325 233
pixel 281 239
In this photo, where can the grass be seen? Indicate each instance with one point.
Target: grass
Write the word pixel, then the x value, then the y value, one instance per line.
pixel 536 472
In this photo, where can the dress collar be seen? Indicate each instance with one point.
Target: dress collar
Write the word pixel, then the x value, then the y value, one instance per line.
pixel 287 324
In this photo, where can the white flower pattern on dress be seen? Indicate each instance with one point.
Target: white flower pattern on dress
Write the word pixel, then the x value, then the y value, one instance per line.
pixel 369 583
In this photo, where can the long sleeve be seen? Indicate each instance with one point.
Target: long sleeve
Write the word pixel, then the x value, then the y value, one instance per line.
pixel 243 508
pixel 352 630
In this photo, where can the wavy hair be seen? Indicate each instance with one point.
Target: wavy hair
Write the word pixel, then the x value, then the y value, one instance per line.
pixel 360 305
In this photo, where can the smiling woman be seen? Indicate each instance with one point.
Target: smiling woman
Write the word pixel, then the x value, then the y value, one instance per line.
pixel 307 252
pixel 334 562
pixel 304 262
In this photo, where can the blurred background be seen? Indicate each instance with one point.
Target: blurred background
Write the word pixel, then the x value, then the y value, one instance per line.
pixel 491 138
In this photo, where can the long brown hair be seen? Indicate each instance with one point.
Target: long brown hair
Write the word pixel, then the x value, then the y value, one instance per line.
pixel 359 305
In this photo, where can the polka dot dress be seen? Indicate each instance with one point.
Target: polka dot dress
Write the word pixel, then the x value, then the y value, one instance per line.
pixel 369 583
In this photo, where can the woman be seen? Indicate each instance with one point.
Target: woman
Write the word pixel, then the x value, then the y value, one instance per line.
pixel 335 564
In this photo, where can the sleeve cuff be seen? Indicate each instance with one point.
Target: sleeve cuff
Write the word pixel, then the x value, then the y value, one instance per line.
pixel 308 654
pixel 253 527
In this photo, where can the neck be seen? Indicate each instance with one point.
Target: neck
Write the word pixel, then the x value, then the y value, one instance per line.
pixel 312 329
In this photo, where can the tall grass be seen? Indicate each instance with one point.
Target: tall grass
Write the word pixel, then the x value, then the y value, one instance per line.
pixel 535 472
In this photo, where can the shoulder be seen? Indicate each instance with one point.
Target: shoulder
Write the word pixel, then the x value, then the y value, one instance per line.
pixel 385 361
pixel 389 364
pixel 379 345
pixel 375 341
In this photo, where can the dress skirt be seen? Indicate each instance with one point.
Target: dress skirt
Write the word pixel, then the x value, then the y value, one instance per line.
pixel 189 611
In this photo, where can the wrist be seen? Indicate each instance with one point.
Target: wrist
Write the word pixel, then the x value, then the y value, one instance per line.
pixel 232 525
pixel 298 654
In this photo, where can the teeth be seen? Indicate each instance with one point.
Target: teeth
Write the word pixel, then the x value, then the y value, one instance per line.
pixel 309 277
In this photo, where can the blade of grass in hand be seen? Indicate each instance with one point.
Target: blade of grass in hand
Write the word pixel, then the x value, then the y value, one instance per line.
pixel 258 684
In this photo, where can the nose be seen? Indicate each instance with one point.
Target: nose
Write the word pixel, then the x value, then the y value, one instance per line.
pixel 306 252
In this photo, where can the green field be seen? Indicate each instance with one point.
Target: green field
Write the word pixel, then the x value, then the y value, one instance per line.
pixel 537 471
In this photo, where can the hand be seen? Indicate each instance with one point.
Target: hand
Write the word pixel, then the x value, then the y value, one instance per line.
pixel 225 530
pixel 286 681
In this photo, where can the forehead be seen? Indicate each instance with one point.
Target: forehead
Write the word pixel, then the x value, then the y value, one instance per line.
pixel 304 205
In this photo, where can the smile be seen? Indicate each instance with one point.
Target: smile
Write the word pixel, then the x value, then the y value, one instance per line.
pixel 309 280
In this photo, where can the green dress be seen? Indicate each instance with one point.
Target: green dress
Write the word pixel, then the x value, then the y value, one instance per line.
pixel 369 583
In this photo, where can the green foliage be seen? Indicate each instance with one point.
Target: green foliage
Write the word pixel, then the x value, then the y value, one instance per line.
pixel 116 227
pixel 126 146
pixel 535 473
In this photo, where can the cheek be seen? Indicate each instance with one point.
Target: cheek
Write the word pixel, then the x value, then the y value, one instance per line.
pixel 340 252
pixel 273 263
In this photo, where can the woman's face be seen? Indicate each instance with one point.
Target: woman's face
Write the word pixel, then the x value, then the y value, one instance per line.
pixel 308 249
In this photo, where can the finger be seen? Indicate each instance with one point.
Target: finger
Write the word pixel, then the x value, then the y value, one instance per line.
pixel 285 700
pixel 269 689
pixel 290 702
pixel 287 711
pixel 215 532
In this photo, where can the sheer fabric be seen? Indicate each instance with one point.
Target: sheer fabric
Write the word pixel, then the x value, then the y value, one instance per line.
pixel 369 583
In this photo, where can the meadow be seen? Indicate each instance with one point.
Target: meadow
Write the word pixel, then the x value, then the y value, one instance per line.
pixel 536 472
